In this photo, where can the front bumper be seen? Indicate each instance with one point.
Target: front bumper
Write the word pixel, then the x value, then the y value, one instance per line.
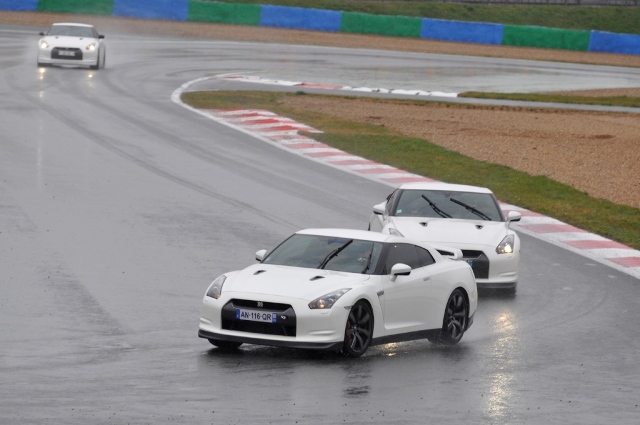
pixel 86 58
pixel 493 271
pixel 488 284
pixel 301 327
pixel 334 346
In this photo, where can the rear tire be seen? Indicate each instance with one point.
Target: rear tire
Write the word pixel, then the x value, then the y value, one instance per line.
pixel 454 323
pixel 225 345
pixel 358 330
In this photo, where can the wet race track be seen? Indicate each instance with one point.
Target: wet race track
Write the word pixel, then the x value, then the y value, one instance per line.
pixel 118 207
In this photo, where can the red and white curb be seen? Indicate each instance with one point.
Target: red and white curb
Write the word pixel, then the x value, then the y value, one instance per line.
pixel 303 85
pixel 284 133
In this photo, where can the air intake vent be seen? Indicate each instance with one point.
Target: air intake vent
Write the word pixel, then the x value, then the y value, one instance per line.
pixel 316 278
pixel 259 272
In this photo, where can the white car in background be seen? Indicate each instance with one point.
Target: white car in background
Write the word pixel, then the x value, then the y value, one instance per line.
pixel 341 290
pixel 72 44
pixel 465 217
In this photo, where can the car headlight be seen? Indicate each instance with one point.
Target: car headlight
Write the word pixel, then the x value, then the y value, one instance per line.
pixel 327 301
pixel 215 289
pixel 91 47
pixel 395 232
pixel 507 245
pixel 44 45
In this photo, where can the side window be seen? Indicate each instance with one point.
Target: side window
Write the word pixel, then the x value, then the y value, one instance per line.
pixel 391 201
pixel 401 253
pixel 424 257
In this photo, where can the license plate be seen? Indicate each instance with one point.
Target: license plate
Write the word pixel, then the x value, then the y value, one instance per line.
pixel 65 53
pixel 256 316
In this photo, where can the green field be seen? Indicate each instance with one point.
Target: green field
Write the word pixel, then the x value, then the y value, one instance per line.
pixel 378 143
pixel 612 19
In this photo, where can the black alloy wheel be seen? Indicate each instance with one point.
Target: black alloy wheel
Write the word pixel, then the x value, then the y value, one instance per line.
pixel 455 318
pixel 358 331
pixel 225 345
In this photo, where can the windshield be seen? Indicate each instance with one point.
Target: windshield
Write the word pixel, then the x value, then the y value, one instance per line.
pixel 447 204
pixel 325 252
pixel 71 30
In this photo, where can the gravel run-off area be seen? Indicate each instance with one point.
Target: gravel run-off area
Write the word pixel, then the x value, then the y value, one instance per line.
pixel 595 152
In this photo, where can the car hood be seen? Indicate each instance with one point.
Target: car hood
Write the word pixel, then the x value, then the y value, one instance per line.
pixel 296 282
pixel 67 41
pixel 451 231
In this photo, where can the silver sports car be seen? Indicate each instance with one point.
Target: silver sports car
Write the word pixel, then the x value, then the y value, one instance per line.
pixel 465 217
pixel 72 44
pixel 341 290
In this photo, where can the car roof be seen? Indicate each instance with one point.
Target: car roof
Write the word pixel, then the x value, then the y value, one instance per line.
pixel 443 186
pixel 352 234
pixel 71 24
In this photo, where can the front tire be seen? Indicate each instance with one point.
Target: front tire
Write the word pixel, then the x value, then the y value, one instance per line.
pixel 225 345
pixel 455 319
pixel 358 331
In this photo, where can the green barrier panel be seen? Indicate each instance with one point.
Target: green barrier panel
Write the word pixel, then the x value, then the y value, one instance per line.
pixel 397 26
pixel 546 38
pixel 94 7
pixel 224 13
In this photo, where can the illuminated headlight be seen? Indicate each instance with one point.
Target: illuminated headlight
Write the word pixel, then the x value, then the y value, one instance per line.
pixel 91 47
pixel 44 45
pixel 327 301
pixel 395 232
pixel 215 289
pixel 506 246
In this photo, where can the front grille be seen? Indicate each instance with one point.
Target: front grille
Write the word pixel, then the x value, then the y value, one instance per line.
pixel 479 263
pixel 260 305
pixel 66 53
pixel 284 326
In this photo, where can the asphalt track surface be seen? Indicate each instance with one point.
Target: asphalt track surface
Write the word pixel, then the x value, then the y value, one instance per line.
pixel 118 207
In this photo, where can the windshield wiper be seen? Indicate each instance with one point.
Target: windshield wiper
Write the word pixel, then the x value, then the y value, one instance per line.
pixel 470 208
pixel 366 267
pixel 333 253
pixel 435 208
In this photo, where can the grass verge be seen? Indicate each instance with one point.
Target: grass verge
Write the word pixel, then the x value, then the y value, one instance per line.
pixel 627 101
pixel 537 193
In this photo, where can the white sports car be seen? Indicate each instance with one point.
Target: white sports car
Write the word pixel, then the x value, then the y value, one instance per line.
pixel 341 290
pixel 72 44
pixel 465 217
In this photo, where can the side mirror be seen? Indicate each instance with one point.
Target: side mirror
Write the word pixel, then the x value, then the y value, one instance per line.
pixel 41 33
pixel 513 216
pixel 101 36
pixel 379 209
pixel 261 254
pixel 399 270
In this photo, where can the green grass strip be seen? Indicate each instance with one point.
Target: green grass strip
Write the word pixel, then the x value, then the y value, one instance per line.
pixel 627 101
pixel 537 193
